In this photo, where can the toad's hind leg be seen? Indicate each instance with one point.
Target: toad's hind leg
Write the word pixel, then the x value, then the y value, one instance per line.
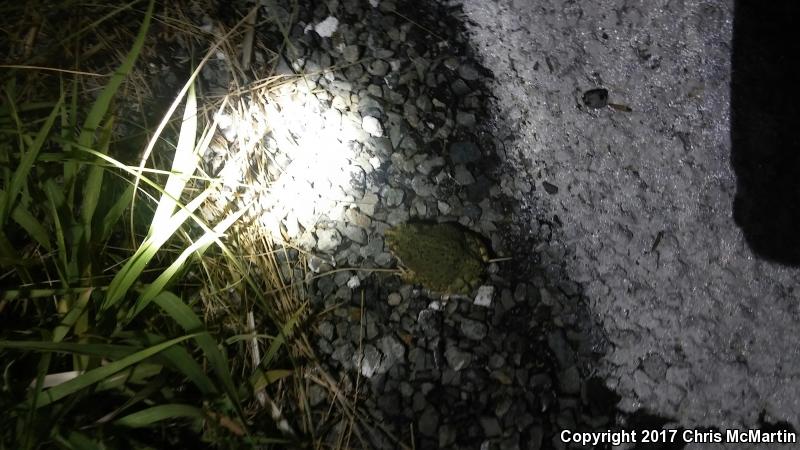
pixel 406 275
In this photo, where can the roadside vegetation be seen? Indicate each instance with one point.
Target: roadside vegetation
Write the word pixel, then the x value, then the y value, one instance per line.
pixel 128 319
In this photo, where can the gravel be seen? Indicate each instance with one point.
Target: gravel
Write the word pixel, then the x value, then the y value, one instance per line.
pixel 412 133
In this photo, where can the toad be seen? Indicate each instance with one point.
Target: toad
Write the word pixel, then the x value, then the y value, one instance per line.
pixel 442 257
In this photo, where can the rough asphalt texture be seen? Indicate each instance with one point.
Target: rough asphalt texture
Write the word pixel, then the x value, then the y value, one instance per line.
pixel 702 331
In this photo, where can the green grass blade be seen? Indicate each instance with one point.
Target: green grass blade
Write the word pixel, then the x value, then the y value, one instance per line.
pixel 13 112
pixel 94 184
pixel 174 307
pixel 174 105
pixel 77 441
pixel 137 374
pixel 6 260
pixel 280 340
pixel 115 213
pixel 199 247
pixel 69 122
pixel 28 222
pixel 188 209
pixel 184 163
pixel 76 311
pixel 10 257
pixel 56 198
pixel 160 233
pixel 101 373
pixel 26 162
pixel 142 394
pixel 41 372
pixel 158 413
pixel 179 359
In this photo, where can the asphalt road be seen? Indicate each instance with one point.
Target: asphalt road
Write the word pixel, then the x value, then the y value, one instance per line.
pixel 678 215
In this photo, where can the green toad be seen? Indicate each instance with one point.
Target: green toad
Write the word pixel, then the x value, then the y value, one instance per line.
pixel 442 257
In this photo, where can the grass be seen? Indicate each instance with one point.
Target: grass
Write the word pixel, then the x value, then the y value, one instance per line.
pixel 115 361
pixel 94 344
pixel 129 318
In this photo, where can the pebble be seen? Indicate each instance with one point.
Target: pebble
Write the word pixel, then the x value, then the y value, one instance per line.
pixel 428 321
pixel 465 119
pixel 459 88
pixel 378 68
pixel 343 353
pixel 372 126
pixel 353 282
pixel 397 216
pixel 447 435
pixel 393 350
pixel 496 361
pixel 421 186
pixel 351 53
pixel 429 164
pixel 569 381
pixel 485 294
pixel 389 402
pixel 502 407
pixel 327 27
pixel 341 277
pixel 325 330
pixel 393 196
pixel 468 72
pixel 355 234
pixel 369 360
pixel 373 248
pixel 366 207
pixel 463 176
pixel 375 90
pixel 464 152
pixel 317 394
pixel 457 359
pixel 316 264
pixel 328 239
pixel 473 329
pixel 394 299
pixel 491 426
pixel 558 344
pixel 424 103
pixel 429 422
pixel 384 259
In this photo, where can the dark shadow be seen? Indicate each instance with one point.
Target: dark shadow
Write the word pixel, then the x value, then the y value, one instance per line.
pixel 765 127
pixel 774 426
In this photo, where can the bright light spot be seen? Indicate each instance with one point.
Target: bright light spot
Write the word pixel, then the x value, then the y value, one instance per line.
pixel 297 156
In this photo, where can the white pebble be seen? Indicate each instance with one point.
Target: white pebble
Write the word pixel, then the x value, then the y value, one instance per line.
pixel 372 126
pixel 353 282
pixel 327 27
pixel 484 296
